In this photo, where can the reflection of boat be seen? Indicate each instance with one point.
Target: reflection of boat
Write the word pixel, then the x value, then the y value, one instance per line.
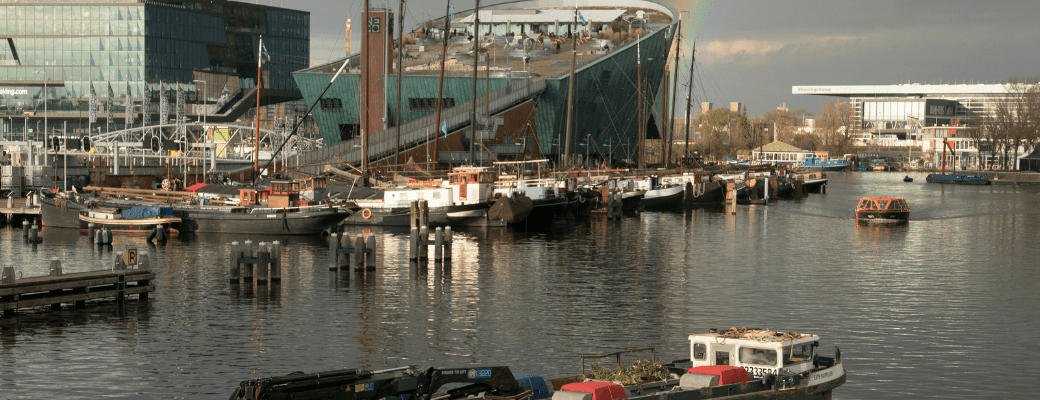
pixel 957 179
pixel 882 209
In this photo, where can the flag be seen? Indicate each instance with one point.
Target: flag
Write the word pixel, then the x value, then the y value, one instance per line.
pixel 452 11
pixel 444 128
pixel 263 48
pixel 108 106
pixel 164 107
pixel 180 105
pixel 93 104
pixel 129 111
pixel 581 17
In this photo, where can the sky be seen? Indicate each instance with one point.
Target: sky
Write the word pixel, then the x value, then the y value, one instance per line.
pixel 754 51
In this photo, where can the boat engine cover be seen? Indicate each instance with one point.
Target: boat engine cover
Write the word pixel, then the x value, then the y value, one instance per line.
pixel 727 373
pixel 568 395
pixel 698 381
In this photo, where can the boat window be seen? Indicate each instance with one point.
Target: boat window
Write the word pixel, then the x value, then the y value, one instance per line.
pixel 798 353
pixel 752 356
pixel 436 195
pixel 894 205
pixel 700 351
pixel 864 203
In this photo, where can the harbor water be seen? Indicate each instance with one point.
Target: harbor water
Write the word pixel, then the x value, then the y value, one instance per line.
pixel 945 306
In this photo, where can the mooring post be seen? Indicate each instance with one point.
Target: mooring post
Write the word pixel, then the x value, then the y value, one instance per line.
pixel 263 258
pixel 413 244
pixel 359 253
pixel 34 234
pixel 447 243
pixel 56 269
pixel 346 243
pixel 247 268
pixel 370 252
pixel 90 231
pixel 233 254
pixel 413 214
pixel 424 214
pixel 7 276
pixel 333 251
pixel 438 244
pixel 276 261
pixel 160 234
pixel 424 239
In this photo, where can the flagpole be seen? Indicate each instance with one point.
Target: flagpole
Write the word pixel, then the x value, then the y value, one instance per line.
pixel 256 151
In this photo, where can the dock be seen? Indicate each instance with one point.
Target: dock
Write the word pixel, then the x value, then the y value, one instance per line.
pixel 17 208
pixel 76 288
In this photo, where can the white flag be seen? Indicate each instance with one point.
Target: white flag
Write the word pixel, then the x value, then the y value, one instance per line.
pixel 93 105
pixel 129 107
pixel 164 107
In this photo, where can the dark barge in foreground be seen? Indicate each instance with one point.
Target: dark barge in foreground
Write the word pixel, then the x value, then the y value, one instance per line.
pixel 736 364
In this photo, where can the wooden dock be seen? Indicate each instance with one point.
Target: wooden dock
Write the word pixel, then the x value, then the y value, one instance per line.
pixel 75 288
pixel 12 208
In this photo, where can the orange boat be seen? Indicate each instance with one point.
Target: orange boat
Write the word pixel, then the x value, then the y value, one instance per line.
pixel 882 209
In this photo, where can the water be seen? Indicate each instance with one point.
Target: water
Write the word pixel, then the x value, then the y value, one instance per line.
pixel 945 306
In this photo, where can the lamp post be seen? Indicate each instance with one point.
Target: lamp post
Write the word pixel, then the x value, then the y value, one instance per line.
pixel 44 112
pixel 205 110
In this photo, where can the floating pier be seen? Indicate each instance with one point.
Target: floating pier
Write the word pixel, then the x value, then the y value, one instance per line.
pixel 53 290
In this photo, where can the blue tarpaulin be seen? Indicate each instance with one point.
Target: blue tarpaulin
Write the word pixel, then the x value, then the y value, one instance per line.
pixel 147 212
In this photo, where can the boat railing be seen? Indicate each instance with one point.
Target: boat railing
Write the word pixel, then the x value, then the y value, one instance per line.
pixel 269 210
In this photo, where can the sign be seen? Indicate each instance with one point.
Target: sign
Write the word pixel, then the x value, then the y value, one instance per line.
pixel 373 25
pixel 130 257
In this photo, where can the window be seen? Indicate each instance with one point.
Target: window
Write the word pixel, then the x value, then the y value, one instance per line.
pixel 700 351
pixel 331 104
pixel 429 104
pixel 798 354
pixel 752 356
pixel 349 131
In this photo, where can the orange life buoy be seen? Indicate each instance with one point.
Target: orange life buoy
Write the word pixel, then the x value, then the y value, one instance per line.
pixel 366 213
pixel 581 199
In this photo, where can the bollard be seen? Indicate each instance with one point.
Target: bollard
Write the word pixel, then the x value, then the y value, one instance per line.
pixel 7 277
pixel 90 231
pixel 25 229
pixel 370 252
pixel 247 268
pixel 447 243
pixel 34 235
pixel 359 253
pixel 413 244
pixel 263 258
pixel 56 269
pixel 346 243
pixel 160 233
pixel 333 252
pixel 424 238
pixel 276 261
pixel 438 244
pixel 10 201
pixel 233 254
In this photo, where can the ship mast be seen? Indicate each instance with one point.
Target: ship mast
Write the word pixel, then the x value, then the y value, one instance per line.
pixel 256 128
pixel 689 100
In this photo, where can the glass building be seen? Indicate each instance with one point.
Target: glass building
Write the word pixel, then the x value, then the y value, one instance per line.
pixel 200 55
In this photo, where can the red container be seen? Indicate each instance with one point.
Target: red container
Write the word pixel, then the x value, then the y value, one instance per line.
pixel 727 373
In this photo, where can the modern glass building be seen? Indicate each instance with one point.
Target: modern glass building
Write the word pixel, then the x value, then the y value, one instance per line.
pixel 200 55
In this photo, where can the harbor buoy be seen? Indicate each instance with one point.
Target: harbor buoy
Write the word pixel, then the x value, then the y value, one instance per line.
pixel 366 213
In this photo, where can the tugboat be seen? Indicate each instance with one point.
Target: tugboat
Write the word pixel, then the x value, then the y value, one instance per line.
pixel 735 364
pixel 882 209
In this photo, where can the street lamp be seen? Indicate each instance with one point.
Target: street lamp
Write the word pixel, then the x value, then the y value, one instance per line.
pixel 205 111
pixel 44 112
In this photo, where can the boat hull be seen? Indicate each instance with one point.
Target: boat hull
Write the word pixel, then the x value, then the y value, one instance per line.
pixel 462 215
pixel 663 199
pixel 277 223
pixel 957 179
pixel 883 216
pixel 130 225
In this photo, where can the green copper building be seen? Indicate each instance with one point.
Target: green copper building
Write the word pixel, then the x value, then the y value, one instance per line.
pixel 625 48
pixel 202 55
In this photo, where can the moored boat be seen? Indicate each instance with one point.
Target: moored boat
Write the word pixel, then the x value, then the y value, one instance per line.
pixel 882 209
pixel 957 179
pixel 463 200
pixel 131 220
pixel 735 364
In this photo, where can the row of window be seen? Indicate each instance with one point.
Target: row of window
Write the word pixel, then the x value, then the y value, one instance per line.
pixel 76 13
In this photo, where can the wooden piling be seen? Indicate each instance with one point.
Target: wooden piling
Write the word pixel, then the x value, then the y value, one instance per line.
pixel 247 268
pixel 276 261
pixel 263 258
pixel 333 252
pixel 25 228
pixel 359 253
pixel 438 244
pixel 370 252
pixel 413 244
pixel 424 239
pixel 233 254
pixel 447 243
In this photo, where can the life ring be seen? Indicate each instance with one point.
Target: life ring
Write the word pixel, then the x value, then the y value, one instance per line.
pixel 366 213
pixel 581 199
pixel 166 184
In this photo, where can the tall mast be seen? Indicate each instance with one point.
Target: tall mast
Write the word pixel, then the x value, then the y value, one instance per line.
pixel 440 83
pixel 570 89
pixel 476 61
pixel 366 90
pixel 639 105
pixel 256 133
pixel 689 100
pixel 675 88
pixel 400 70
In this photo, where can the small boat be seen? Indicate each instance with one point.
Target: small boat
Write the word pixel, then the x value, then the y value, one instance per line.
pixel 957 179
pixel 908 179
pixel 659 196
pixel 746 364
pixel 135 219
pixel 882 209
pixel 462 200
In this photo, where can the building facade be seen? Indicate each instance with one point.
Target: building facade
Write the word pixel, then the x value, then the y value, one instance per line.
pixel 200 55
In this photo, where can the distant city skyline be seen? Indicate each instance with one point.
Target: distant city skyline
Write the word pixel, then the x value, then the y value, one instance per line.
pixel 754 51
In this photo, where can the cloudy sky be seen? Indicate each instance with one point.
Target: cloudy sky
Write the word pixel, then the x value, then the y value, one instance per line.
pixel 753 51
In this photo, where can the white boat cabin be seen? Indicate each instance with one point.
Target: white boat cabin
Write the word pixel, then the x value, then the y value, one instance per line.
pixel 465 185
pixel 760 352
